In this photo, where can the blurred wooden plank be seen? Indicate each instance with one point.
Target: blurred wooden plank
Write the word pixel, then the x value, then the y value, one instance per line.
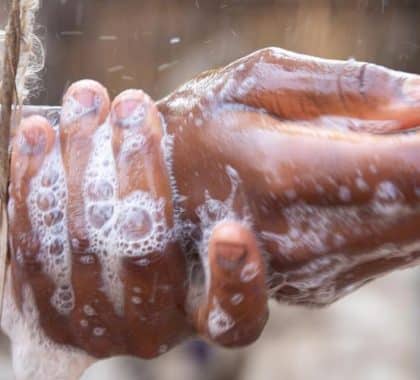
pixel 3 251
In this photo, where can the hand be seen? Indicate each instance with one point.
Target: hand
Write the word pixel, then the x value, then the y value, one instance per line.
pixel 320 156
pixel 278 175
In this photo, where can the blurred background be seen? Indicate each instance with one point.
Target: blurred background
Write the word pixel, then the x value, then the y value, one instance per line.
pixel 156 45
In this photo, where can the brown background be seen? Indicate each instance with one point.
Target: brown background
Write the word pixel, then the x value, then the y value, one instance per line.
pixel 127 43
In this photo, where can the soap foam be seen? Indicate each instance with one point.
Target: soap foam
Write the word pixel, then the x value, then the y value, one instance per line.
pixel 219 321
pixel 316 281
pixel 134 226
pixel 47 205
pixel 34 355
pixel 214 211
pixel 72 110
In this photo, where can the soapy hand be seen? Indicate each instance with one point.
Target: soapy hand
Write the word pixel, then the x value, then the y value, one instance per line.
pixel 136 224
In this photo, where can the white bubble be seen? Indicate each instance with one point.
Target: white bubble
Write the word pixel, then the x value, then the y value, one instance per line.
pixel 344 193
pixel 219 321
pixel 373 169
pixel 143 262
pixel 47 205
pixel 99 331
pixel 388 199
pixel 89 310
pixel 249 272
pixel 87 259
pixel 136 289
pixel 361 184
pixel 290 194
pixel 136 300
pixel 237 298
pixel 387 191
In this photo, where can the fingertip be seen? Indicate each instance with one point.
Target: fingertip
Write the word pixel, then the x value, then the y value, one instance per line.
pixel 233 232
pixel 136 139
pixel 85 99
pixel 233 248
pixel 133 109
pixel 228 257
pixel 234 309
pixel 33 141
pixel 132 94
pixel 35 136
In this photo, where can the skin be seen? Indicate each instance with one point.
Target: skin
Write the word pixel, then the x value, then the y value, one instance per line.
pixel 309 162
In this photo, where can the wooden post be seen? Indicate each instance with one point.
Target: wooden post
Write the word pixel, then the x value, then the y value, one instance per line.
pixel 8 96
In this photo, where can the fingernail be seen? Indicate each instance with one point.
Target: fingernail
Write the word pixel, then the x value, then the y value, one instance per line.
pixel 230 256
pixel 411 89
pixel 129 113
pixel 32 141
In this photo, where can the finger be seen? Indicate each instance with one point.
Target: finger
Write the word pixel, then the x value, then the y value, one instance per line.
pixel 298 87
pixel 330 166
pixel 322 281
pixel 365 269
pixel 34 140
pixel 94 322
pixel 137 135
pixel 351 124
pixel 364 188
pixel 153 266
pixel 32 208
pixel 32 143
pixel 234 310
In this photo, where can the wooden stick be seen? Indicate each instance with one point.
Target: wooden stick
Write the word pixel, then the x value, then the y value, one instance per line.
pixel 8 95
pixel 3 253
